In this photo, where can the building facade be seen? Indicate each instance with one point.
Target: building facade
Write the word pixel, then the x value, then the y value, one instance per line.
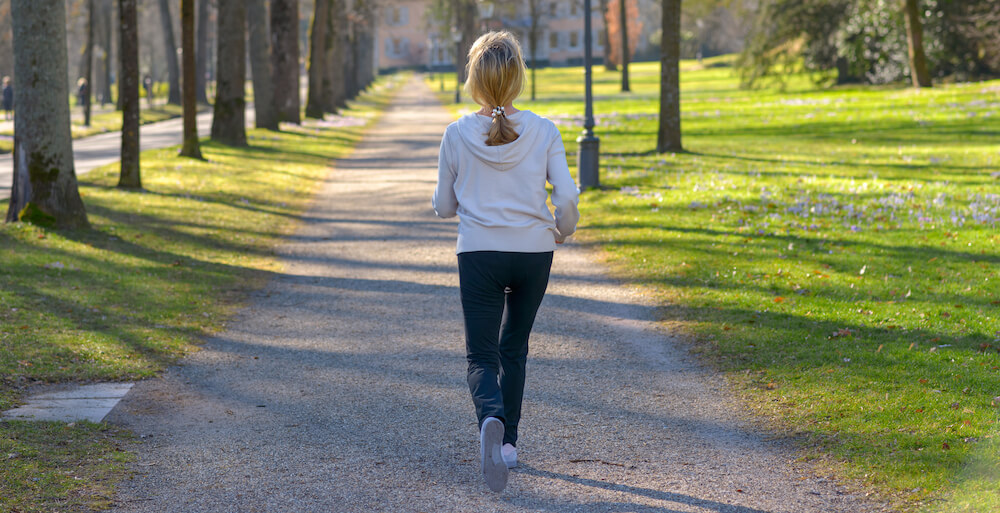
pixel 407 35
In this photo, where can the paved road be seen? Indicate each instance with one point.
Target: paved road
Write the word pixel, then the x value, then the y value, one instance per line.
pixel 98 150
pixel 341 386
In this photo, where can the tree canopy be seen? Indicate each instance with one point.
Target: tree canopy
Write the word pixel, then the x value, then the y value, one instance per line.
pixel 865 41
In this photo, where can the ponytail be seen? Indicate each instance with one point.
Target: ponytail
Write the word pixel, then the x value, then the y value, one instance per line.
pixel 496 77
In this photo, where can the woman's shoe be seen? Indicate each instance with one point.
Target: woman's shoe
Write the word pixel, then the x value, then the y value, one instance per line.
pixel 509 453
pixel 490 442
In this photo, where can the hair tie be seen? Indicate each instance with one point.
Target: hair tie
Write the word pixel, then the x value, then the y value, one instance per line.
pixel 498 111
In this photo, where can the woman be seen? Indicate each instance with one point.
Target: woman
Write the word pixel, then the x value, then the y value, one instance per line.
pixel 492 170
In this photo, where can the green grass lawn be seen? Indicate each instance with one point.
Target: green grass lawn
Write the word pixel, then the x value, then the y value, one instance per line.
pixel 835 251
pixel 159 270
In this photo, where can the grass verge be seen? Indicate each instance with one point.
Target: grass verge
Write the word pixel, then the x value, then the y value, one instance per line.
pixel 834 251
pixel 159 269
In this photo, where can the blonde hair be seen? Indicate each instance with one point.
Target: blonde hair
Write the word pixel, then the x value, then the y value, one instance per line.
pixel 495 74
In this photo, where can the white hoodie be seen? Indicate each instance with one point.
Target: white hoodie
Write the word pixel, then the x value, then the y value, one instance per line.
pixel 499 192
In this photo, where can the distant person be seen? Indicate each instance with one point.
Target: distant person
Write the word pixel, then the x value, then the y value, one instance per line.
pixel 147 84
pixel 492 171
pixel 82 92
pixel 8 98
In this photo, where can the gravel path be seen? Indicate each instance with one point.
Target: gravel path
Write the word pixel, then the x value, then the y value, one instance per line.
pixel 342 386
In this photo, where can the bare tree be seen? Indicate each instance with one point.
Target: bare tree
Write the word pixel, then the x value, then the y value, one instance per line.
pixel 623 20
pixel 364 43
pixel 128 93
pixel 260 65
pixel 285 58
pixel 191 147
pixel 535 27
pixel 338 61
pixel 915 40
pixel 464 14
pixel 44 190
pixel 201 51
pixel 229 117
pixel 173 69
pixel 315 105
pixel 88 62
pixel 106 43
pixel 609 65
pixel 669 136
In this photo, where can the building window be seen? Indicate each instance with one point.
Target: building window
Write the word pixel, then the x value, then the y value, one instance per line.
pixel 553 9
pixel 574 39
pixel 553 40
pixel 573 11
pixel 396 16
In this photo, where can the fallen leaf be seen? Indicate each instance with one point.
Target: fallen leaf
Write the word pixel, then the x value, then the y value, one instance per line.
pixel 945 446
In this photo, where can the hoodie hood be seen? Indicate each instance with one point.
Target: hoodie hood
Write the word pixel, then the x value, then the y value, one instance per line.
pixel 473 128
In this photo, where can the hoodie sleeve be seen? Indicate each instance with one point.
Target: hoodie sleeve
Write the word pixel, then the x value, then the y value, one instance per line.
pixel 444 201
pixel 565 195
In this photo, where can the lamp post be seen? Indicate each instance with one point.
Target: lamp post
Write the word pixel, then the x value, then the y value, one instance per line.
pixel 430 57
pixel 485 13
pixel 589 154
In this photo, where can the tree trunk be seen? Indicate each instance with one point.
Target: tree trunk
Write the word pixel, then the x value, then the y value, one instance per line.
pixel 337 61
pixel 260 66
pixel 108 43
pixel 120 102
pixel 44 190
pixel 191 147
pixel 285 58
pixel 315 107
pixel 349 66
pixel 915 40
pixel 88 62
pixel 201 51
pixel 229 118
pixel 364 42
pixel 468 16
pixel 606 43
pixel 173 69
pixel 669 136
pixel 534 29
pixel 128 93
pixel 623 20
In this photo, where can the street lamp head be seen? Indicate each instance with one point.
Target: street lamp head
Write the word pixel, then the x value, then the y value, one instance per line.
pixel 485 8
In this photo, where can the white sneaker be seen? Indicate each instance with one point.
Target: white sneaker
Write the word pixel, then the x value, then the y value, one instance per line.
pixel 490 441
pixel 509 453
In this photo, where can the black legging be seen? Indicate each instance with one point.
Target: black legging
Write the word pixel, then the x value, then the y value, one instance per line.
pixel 501 292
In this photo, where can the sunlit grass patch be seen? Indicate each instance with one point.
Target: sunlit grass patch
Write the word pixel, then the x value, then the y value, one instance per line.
pixel 836 251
